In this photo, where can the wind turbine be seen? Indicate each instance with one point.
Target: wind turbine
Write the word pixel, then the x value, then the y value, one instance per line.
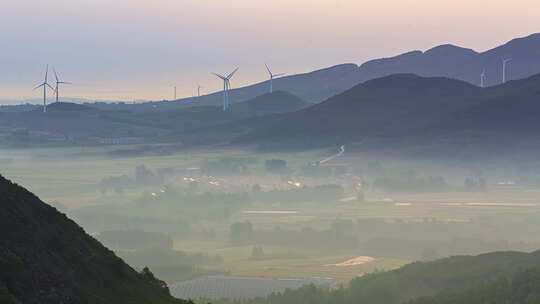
pixel 483 79
pixel 504 62
pixel 45 84
pixel 58 83
pixel 272 77
pixel 226 87
pixel 199 90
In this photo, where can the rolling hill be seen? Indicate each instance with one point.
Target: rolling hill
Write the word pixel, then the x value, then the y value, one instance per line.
pixel 446 60
pixel 441 61
pixel 47 258
pixel 69 121
pixel 458 278
pixel 377 107
pixel 206 116
pixel 404 113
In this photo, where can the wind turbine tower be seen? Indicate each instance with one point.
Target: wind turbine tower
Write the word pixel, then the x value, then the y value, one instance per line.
pixel 226 87
pixel 272 76
pixel 58 83
pixel 45 85
pixel 483 79
pixel 504 62
pixel 199 90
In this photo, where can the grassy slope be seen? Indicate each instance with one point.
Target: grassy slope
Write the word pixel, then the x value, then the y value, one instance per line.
pixel 47 258
pixel 522 288
pixel 451 275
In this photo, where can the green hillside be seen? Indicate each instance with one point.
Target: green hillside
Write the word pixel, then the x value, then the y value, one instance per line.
pixel 522 288
pixel 47 258
pixel 437 282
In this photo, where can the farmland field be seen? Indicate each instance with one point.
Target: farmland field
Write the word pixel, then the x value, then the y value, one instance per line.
pixel 288 233
pixel 237 262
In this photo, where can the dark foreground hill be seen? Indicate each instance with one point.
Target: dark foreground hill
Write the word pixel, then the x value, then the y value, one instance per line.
pixel 460 279
pixel 47 258
pixel 522 288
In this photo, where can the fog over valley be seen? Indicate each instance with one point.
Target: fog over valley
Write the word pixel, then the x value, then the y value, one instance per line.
pixel 344 164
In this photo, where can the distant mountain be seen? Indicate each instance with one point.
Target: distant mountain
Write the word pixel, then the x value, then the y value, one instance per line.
pixel 47 258
pixel 512 109
pixel 441 61
pixel 270 103
pixel 438 61
pixel 403 113
pixel 392 105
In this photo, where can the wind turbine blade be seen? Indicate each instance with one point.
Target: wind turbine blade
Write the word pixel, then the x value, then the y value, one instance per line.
pixel 268 69
pixel 39 86
pixel 55 74
pixel 231 74
pixel 54 90
pixel 220 76
pixel 277 75
pixel 46 73
pixel 65 82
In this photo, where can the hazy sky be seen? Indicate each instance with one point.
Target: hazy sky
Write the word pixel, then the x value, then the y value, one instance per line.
pixel 133 49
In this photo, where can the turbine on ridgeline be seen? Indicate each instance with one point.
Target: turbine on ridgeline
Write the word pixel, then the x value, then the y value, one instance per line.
pixel 226 87
pixel 504 63
pixel 45 85
pixel 58 83
pixel 483 79
pixel 272 76
pixel 199 90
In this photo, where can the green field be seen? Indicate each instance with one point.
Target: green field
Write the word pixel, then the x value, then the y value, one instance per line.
pixel 237 262
pixel 70 177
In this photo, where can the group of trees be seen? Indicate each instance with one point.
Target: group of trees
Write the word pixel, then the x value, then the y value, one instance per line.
pixel 320 193
pixel 276 166
pixel 340 235
pixel 496 278
pixel 416 240
pixel 227 165
pixel 411 183
pixel 475 184
pixel 522 288
pixel 142 176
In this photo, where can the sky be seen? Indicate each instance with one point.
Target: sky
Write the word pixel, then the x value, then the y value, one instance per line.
pixel 139 50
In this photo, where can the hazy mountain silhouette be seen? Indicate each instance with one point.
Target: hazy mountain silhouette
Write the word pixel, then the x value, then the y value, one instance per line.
pixel 443 61
pixel 377 107
pixel 47 258
pixel 68 121
pixel 406 111
pixel 203 116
